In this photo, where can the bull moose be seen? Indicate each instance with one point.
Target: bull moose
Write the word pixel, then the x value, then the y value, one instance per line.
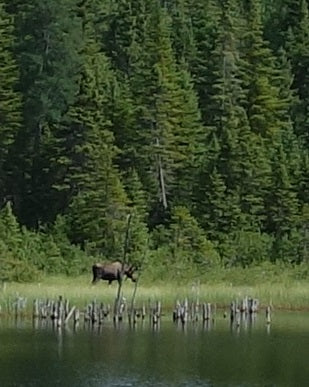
pixel 112 271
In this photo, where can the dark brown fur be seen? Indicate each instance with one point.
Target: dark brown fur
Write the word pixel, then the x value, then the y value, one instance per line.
pixel 112 271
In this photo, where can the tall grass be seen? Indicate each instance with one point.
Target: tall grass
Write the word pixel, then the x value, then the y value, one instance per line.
pixel 287 295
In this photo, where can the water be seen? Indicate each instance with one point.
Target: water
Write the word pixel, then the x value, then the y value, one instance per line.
pixel 217 355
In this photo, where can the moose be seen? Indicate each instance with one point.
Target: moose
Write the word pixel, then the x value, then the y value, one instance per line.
pixel 112 271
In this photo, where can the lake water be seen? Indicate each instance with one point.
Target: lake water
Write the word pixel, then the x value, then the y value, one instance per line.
pixel 217 355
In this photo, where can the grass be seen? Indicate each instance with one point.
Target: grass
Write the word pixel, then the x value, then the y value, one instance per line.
pixel 285 293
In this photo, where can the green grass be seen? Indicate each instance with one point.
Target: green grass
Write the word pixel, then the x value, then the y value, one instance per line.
pixel 285 293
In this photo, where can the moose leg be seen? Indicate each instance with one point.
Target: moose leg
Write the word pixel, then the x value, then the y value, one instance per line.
pixel 97 273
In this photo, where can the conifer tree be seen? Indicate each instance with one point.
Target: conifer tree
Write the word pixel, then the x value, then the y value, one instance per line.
pixel 123 122
pixel 268 114
pixel 182 29
pixel 123 23
pixel 136 194
pixel 205 20
pixel 264 106
pixel 297 47
pixel 283 205
pixel 241 161
pixel 190 141
pixel 138 206
pixel 10 231
pixel 188 240
pixel 182 113
pixel 288 29
pixel 98 205
pixel 168 126
pixel 46 48
pixel 10 103
pixel 211 203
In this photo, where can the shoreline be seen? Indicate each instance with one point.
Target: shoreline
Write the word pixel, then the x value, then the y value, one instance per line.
pixel 291 296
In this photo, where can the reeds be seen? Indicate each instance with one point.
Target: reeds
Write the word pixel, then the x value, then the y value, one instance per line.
pixel 292 295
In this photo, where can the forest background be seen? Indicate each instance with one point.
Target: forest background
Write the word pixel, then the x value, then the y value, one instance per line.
pixel 191 116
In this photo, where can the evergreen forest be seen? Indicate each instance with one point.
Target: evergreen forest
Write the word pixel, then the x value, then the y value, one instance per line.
pixel 186 120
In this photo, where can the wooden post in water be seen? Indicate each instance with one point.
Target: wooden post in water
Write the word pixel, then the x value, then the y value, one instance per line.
pixel 255 305
pixel 43 310
pixel 206 311
pixel 125 249
pixel 132 310
pixel 185 312
pixel 107 311
pixel 16 305
pixel 244 305
pixel 232 311
pixel 101 313
pixel 209 310
pixel 176 312
pixel 54 313
pixel 76 316
pixel 35 312
pixel 94 314
pixel 87 313
pixel 117 302
pixel 235 313
pixel 66 307
pixel 196 310
pixel 60 312
pixel 156 313
pixel 69 315
pixel 143 311
pixel 268 315
pixel 48 306
pixel 238 317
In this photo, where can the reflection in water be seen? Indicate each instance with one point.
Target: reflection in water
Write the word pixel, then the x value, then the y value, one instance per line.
pixel 59 342
pixel 247 352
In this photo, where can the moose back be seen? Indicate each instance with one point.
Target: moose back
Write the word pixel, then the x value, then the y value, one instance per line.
pixel 112 271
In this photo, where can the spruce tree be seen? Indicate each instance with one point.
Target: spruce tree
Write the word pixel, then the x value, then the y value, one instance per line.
pixel 283 205
pixel 188 240
pixel 98 202
pixel 138 232
pixel 48 35
pixel 182 29
pixel 288 28
pixel 241 160
pixel 264 106
pixel 205 20
pixel 10 232
pixel 297 46
pixel 10 103
pixel 168 129
pixel 268 92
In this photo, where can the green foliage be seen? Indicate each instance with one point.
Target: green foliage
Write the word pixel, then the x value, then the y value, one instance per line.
pixel 9 228
pixel 97 201
pixel 27 255
pixel 14 259
pixel 47 39
pixel 73 261
pixel 245 248
pixel 296 34
pixel 184 242
pixel 14 269
pixel 10 101
pixel 188 238
pixel 192 116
